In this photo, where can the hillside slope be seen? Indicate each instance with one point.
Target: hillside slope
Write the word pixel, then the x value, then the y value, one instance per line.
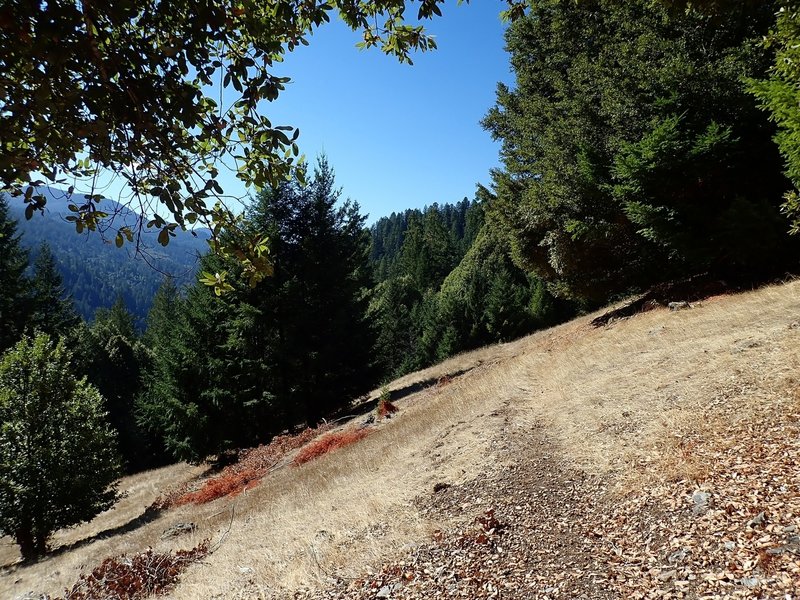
pixel 658 456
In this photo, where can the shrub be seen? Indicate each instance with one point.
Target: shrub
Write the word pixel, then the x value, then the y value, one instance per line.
pixel 328 443
pixel 58 458
pixel 227 483
pixel 253 464
pixel 386 408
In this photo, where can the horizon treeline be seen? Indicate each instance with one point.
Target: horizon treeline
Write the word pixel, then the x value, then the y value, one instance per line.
pixel 634 152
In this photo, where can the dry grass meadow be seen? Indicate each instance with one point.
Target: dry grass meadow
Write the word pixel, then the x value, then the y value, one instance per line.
pixel 617 401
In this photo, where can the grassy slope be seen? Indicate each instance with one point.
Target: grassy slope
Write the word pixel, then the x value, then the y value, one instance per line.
pixel 616 402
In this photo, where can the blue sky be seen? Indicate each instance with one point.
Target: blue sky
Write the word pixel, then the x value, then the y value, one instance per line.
pixel 399 136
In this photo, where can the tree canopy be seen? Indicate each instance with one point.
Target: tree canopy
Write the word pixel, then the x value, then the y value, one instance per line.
pixel 632 149
pixel 58 459
pixel 255 361
pixel 13 283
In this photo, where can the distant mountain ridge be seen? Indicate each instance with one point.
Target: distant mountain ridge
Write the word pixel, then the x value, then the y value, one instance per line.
pixel 95 271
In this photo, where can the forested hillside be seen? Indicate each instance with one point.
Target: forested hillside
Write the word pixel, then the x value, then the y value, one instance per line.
pixel 94 270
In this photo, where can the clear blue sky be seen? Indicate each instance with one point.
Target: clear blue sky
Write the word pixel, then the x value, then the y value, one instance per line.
pixel 399 136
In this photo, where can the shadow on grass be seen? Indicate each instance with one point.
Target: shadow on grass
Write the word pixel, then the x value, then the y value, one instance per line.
pixel 369 405
pixel 150 514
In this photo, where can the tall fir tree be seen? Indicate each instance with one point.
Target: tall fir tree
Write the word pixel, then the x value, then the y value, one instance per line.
pixel 632 150
pixel 290 350
pixel 109 353
pixel 52 309
pixel 14 285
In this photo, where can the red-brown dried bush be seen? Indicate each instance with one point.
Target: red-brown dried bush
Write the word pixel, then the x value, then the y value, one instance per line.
pixel 227 483
pixel 140 576
pixel 386 408
pixel 253 464
pixel 329 443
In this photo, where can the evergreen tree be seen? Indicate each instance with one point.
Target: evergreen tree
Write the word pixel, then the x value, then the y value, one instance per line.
pixel 392 311
pixel 14 286
pixel 632 150
pixel 428 252
pixel 58 459
pixel 52 310
pixel 189 403
pixel 780 95
pixel 289 350
pixel 110 354
pixel 488 299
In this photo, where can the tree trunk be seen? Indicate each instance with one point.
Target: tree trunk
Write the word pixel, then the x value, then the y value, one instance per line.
pixel 31 545
pixel 26 543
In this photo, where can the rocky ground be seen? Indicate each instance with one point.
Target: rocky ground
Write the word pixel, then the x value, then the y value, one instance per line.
pixel 537 528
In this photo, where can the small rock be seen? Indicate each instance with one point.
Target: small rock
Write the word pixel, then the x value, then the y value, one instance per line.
pixel 667 575
pixel 759 519
pixel 384 592
pixel 729 546
pixel 745 345
pixel 683 305
pixel 678 556
pixel 701 502
pixel 440 487
pixel 749 582
pixel 178 529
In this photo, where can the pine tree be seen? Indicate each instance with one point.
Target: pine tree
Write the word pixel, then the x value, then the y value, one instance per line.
pixel 290 350
pixel 14 285
pixel 110 354
pixel 633 151
pixel 52 310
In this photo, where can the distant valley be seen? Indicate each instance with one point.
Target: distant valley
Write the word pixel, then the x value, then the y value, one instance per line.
pixel 95 271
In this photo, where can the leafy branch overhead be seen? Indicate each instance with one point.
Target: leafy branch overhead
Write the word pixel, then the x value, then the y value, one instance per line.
pixel 134 88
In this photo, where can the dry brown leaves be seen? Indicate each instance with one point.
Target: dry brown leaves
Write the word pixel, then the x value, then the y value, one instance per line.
pixel 735 534
pixel 137 577
pixel 517 533
pixel 554 532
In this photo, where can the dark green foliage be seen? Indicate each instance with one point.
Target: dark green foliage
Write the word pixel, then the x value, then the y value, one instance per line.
pixel 13 283
pixel 392 311
pixel 246 365
pixel 185 402
pixel 779 94
pixel 453 287
pixel 52 309
pixel 58 459
pixel 462 220
pixel 488 299
pixel 632 151
pixel 114 360
pixel 429 250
